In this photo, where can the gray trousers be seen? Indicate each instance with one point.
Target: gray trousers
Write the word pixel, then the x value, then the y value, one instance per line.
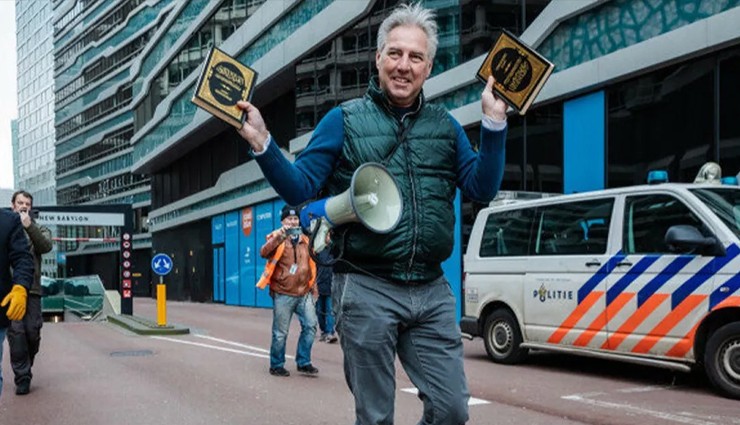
pixel 378 320
pixel 24 337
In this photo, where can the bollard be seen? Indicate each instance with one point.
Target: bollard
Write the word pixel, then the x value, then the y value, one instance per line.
pixel 161 303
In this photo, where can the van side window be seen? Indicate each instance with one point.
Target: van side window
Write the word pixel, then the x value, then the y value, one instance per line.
pixel 507 233
pixel 576 228
pixel 648 217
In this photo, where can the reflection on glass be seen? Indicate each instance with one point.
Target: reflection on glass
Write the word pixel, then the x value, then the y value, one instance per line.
pixel 79 298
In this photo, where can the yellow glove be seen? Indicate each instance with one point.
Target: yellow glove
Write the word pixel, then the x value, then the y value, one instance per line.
pixel 17 299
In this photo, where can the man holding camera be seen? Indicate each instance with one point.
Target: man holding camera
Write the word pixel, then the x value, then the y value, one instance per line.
pixel 24 336
pixel 291 273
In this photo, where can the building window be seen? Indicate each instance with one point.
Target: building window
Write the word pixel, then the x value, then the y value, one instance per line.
pixel 661 121
pixel 729 104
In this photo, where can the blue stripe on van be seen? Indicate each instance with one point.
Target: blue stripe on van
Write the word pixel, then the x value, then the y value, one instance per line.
pixel 629 277
pixel 702 275
pixel 717 297
pixel 661 278
pixel 602 273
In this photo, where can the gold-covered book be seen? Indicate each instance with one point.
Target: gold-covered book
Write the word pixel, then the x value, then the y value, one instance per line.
pixel 519 71
pixel 224 81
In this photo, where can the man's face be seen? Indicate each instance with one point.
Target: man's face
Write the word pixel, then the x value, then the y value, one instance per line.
pixel 291 221
pixel 21 203
pixel 403 64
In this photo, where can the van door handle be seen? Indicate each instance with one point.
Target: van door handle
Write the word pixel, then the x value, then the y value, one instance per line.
pixel 593 264
pixel 624 263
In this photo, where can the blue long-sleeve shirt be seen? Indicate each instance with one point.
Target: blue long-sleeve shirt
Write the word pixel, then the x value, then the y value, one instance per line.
pixel 479 174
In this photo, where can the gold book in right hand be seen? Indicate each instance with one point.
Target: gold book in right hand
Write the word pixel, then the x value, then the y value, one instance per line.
pixel 519 71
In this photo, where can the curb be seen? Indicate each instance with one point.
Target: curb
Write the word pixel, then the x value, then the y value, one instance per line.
pixel 143 326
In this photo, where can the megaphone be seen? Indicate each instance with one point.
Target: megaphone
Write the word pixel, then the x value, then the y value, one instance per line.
pixel 372 199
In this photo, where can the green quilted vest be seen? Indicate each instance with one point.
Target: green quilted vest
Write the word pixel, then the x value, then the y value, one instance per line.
pixel 424 166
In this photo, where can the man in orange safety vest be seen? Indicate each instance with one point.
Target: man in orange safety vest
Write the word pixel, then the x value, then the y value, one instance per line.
pixel 290 273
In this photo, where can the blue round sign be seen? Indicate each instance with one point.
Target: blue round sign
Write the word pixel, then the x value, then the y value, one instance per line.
pixel 162 264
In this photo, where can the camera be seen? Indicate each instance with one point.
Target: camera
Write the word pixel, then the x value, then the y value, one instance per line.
pixel 293 231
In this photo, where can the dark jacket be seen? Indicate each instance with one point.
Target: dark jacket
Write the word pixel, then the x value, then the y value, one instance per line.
pixel 14 253
pixel 424 166
pixel 40 239
pixel 282 281
pixel 324 273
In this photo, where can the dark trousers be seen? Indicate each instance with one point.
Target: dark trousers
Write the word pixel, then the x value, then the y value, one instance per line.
pixel 378 321
pixel 24 337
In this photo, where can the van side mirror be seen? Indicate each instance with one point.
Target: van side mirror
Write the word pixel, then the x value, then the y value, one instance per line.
pixel 686 238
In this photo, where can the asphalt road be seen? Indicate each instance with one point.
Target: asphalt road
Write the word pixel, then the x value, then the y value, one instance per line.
pixel 98 373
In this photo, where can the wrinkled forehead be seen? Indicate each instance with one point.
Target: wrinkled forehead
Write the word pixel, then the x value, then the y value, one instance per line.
pixel 408 38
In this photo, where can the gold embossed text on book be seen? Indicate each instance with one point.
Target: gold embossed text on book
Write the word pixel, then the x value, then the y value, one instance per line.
pixel 223 82
pixel 519 71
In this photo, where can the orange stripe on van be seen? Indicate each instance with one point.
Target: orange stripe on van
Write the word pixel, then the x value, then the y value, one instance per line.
pixel 571 321
pixel 728 302
pixel 682 347
pixel 598 324
pixel 668 323
pixel 629 326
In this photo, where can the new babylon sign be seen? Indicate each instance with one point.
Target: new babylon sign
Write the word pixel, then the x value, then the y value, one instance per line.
pixel 51 218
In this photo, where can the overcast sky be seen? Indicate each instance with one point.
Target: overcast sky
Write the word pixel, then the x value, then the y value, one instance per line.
pixel 8 90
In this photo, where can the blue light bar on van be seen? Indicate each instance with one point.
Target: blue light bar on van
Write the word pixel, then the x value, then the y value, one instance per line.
pixel 657 176
pixel 730 181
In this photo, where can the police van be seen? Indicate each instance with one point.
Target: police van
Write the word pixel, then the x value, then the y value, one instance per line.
pixel 645 274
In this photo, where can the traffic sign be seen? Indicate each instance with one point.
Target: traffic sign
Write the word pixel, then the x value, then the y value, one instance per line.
pixel 162 264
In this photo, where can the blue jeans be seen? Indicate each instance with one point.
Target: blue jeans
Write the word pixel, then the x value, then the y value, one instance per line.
pixel 325 315
pixel 282 312
pixel 2 342
pixel 379 320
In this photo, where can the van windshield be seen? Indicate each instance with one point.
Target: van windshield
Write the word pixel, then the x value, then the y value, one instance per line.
pixel 725 202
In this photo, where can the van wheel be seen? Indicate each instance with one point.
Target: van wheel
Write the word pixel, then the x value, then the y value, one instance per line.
pixel 722 359
pixel 503 338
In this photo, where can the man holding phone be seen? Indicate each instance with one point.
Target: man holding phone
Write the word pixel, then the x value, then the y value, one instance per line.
pixel 24 336
pixel 291 273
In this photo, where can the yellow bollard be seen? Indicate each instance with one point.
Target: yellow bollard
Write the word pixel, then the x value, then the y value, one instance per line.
pixel 161 305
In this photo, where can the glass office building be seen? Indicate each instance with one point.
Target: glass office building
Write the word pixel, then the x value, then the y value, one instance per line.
pixel 34 152
pixel 35 162
pixel 609 113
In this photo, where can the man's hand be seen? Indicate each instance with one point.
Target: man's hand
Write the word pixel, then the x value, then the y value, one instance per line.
pixel 254 130
pixel 17 298
pixel 493 106
pixel 25 218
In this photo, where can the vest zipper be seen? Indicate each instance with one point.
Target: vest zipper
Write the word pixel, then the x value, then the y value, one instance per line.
pixel 414 208
pixel 415 226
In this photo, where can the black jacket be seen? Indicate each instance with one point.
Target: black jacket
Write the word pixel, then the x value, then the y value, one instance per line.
pixel 16 260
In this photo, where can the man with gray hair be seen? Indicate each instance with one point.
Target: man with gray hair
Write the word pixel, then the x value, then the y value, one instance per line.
pixel 391 297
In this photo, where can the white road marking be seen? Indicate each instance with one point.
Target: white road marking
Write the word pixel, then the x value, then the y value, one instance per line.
pixel 638 410
pixel 471 402
pixel 234 343
pixel 215 347
pixel 645 389
pixel 719 419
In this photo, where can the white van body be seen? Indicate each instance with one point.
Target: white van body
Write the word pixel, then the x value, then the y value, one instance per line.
pixel 601 274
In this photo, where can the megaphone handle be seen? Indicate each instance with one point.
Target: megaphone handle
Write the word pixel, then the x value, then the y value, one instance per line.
pixel 319 243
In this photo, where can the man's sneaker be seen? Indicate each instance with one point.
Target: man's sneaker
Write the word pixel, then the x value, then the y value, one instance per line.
pixel 23 387
pixel 308 369
pixel 279 371
pixel 331 338
pixel 324 336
